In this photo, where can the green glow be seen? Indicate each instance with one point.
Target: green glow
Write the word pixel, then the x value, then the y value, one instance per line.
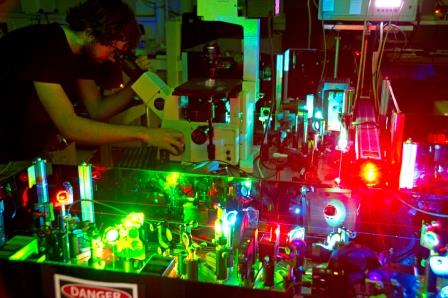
pixel 247 183
pixel 31 176
pixel 99 265
pixel 28 246
pixel 84 175
pixel 86 192
pixel 278 79
pixel 190 212
pixel 223 227
pixel 169 235
pixel 226 229
pixel 125 237
pixel 136 244
pixel 172 179
pixel 42 259
pixel 218 228
pixel 111 234
pixel 134 220
pixel 133 232
pixel 97 252
pixel 131 248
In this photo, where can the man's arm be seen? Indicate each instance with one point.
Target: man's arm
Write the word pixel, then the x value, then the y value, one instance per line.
pixel 83 130
pixel 102 108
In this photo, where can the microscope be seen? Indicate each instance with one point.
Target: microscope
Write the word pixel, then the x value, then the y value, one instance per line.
pixel 207 114
pixel 216 115
pixel 212 137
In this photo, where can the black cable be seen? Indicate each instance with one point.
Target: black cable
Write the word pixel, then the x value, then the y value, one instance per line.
pixel 404 202
pixel 273 103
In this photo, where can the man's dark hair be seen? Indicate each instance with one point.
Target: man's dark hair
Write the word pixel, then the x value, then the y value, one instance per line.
pixel 107 20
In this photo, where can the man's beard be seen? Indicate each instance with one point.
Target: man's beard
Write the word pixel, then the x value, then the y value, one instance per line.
pixel 88 51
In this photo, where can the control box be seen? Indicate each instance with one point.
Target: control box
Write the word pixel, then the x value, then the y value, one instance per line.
pixel 370 10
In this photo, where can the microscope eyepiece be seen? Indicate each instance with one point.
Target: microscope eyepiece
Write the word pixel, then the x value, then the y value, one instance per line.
pixel 128 64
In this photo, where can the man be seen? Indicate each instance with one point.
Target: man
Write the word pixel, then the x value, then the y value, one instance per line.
pixel 46 69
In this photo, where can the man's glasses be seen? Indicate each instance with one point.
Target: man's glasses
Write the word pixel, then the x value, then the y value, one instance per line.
pixel 118 51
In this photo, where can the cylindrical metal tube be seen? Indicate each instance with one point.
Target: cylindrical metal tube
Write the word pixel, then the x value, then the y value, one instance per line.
pixel 221 263
pixel 192 269
pixel 182 263
pixel 336 57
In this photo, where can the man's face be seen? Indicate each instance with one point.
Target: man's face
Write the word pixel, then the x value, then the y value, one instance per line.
pixel 100 53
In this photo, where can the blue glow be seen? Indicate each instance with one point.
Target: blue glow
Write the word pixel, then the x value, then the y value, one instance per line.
pixel 316 125
pixel 431 240
pixel 231 217
pixel 334 213
pixel 310 104
pixel 246 187
pixel 375 275
pixel 439 265
pixel 443 292
pixel 286 64
pixel 244 191
pixel 298 233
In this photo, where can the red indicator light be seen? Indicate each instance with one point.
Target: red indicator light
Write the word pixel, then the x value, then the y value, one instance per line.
pixel 330 210
pixel 370 173
pixel 62 197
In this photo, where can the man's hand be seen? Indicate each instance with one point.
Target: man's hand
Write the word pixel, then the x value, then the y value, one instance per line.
pixel 166 138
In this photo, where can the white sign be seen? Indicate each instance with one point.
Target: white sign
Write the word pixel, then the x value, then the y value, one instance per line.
pixel 72 287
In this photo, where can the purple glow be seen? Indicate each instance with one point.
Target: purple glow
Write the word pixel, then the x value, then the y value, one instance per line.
pixel 277 8
pixel 388 3
pixel 374 275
